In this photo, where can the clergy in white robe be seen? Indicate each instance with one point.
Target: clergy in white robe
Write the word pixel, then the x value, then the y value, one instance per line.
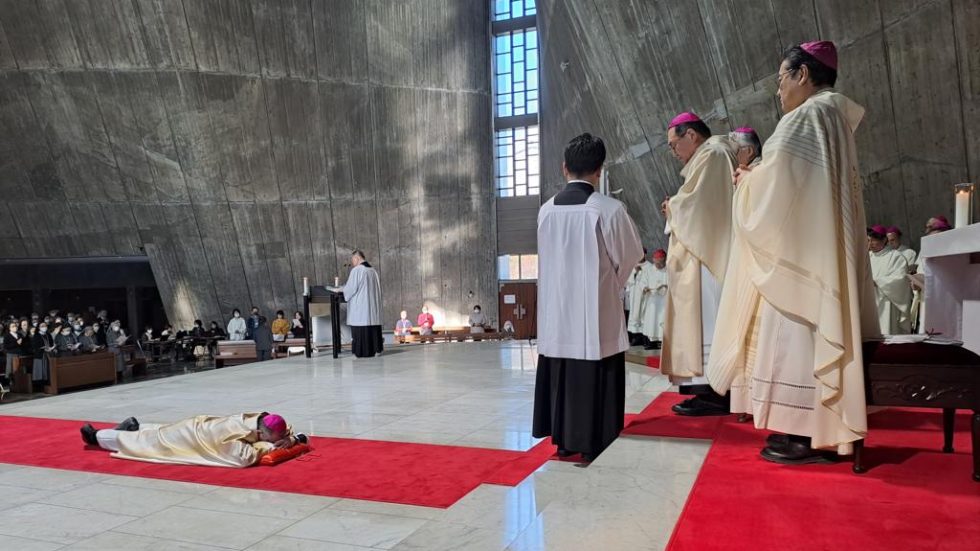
pixel 587 248
pixel 647 316
pixel 363 295
pixel 633 300
pixel 213 441
pixel 893 291
pixel 699 223
pixel 792 316
pixel 894 235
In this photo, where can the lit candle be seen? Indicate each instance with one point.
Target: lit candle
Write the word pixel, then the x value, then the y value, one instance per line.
pixel 964 205
pixel 306 286
pixel 336 281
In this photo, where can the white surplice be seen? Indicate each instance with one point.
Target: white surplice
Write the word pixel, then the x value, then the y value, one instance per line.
pixel 363 295
pixel 586 253
pixel 893 292
pixel 649 301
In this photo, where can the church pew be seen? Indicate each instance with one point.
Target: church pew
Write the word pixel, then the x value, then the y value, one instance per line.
pixel 234 353
pixel 80 370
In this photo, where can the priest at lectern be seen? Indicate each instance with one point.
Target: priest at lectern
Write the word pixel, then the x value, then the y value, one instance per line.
pixel 363 295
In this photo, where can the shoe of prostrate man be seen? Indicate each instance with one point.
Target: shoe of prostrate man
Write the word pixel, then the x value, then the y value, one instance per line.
pixel 699 407
pixel 88 435
pixel 796 453
pixel 129 425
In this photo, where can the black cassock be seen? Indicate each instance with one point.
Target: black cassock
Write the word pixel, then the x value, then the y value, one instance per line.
pixel 579 403
pixel 367 340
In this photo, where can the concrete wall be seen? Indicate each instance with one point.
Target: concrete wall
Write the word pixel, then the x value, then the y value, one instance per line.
pixel 623 68
pixel 245 144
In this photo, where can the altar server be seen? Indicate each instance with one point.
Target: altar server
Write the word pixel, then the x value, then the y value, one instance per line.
pixel 652 287
pixel 232 441
pixel 363 295
pixel 699 222
pixel 792 317
pixel 588 247
pixel 893 292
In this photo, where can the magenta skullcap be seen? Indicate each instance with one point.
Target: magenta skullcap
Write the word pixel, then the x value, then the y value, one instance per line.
pixel 823 50
pixel 745 130
pixel 660 253
pixel 275 423
pixel 894 229
pixel 879 229
pixel 683 118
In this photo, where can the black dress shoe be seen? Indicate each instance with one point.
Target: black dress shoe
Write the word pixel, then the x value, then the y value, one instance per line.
pixel 682 405
pixel 562 452
pixel 699 407
pixel 301 438
pixel 589 457
pixel 777 441
pixel 795 453
pixel 88 435
pixel 129 425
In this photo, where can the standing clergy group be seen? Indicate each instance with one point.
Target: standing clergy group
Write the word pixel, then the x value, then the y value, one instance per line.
pixel 648 298
pixel 754 323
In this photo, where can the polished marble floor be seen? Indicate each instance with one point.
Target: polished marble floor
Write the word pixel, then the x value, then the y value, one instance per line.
pixel 466 394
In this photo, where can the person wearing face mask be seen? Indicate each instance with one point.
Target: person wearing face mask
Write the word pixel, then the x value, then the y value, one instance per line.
pixel 42 344
pixel 477 320
pixel 76 328
pixel 236 326
pixel 65 341
pixel 115 338
pixel 425 321
pixel 13 347
pixel 88 342
pixel 299 325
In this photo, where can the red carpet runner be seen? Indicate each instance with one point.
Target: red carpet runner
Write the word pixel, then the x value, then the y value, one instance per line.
pixel 914 496
pixel 396 472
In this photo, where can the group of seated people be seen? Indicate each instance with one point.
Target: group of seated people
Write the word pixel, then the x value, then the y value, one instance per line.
pixel 244 329
pixel 37 337
pixel 897 276
pixel 425 322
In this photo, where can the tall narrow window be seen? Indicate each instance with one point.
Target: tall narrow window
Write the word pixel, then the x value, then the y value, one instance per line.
pixel 516 101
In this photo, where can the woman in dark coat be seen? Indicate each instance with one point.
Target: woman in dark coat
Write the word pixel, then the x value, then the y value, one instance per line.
pixel 42 343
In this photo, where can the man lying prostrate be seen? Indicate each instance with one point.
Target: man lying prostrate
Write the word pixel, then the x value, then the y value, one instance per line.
pixel 233 441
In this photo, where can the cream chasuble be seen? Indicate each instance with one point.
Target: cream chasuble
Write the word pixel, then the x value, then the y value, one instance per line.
pixel 700 235
pixel 231 441
pixel 893 292
pixel 792 317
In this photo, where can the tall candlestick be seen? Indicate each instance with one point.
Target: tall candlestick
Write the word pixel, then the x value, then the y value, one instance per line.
pixel 306 286
pixel 336 281
pixel 963 212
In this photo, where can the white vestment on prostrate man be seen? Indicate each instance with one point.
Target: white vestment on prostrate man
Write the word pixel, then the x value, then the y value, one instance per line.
pixel 699 222
pixel 649 301
pixel 893 292
pixel 798 296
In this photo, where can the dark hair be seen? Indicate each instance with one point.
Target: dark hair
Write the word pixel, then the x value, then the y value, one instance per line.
pixel 585 154
pixel 477 306
pixel 754 141
pixel 255 307
pixel 298 312
pixel 198 322
pixel 262 320
pixel 214 323
pixel 875 235
pixel 699 127
pixel 236 310
pixel 821 75
pixel 358 253
pixel 280 313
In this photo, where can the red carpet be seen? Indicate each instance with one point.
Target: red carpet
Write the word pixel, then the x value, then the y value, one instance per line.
pixel 396 472
pixel 653 361
pixel 657 420
pixel 913 496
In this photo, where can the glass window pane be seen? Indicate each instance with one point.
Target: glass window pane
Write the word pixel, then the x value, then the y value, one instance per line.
pixel 515 70
pixel 529 266
pixel 514 268
pixel 503 266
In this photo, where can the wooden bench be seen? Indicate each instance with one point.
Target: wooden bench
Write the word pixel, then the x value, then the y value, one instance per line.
pixel 80 370
pixel 924 375
pixel 234 353
pixel 456 334
pixel 280 349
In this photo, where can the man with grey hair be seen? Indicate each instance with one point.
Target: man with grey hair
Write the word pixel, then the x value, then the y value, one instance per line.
pixel 363 295
pixel 749 146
